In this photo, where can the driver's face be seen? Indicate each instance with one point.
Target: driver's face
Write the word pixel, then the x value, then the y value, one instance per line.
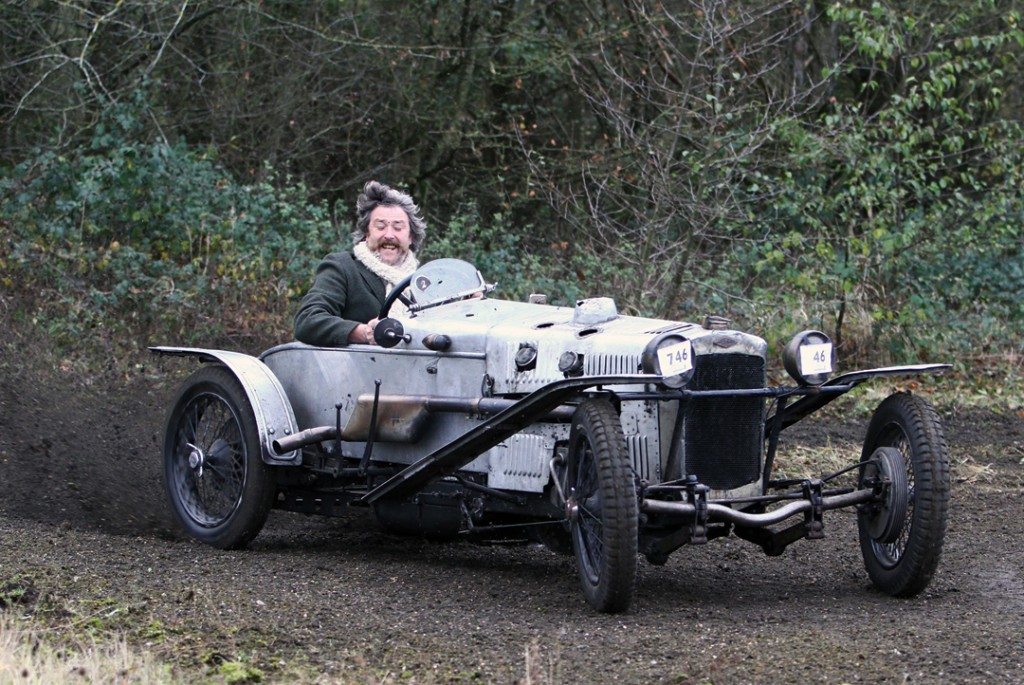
pixel 388 234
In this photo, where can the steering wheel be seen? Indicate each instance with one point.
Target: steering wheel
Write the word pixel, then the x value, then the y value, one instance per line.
pixel 396 294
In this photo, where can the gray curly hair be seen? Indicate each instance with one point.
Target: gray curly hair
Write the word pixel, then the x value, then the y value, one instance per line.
pixel 376 194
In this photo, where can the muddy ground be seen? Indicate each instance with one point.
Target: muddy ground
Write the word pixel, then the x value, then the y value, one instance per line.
pixel 82 517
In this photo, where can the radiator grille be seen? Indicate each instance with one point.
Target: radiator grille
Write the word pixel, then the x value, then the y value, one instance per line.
pixel 723 435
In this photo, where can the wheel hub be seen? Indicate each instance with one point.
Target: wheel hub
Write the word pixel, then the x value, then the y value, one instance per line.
pixel 572 509
pixel 196 460
pixel 887 517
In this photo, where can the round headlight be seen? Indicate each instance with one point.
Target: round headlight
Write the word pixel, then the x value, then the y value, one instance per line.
pixel 670 356
pixel 809 357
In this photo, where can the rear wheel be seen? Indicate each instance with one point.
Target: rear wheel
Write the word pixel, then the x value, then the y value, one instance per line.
pixel 602 506
pixel 219 488
pixel 901 538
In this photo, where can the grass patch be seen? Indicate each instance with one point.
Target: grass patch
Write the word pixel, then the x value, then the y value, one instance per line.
pixel 33 655
pixel 800 461
pixel 239 672
pixel 18 591
pixel 541 669
pixel 49 636
pixel 977 466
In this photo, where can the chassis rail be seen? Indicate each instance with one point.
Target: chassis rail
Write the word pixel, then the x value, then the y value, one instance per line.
pixel 513 416
pixel 486 435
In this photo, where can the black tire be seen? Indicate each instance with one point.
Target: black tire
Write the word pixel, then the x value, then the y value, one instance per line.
pixel 224 495
pixel 602 492
pixel 905 566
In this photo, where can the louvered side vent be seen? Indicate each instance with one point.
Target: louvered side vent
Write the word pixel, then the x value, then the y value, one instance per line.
pixel 723 435
pixel 611 364
pixel 644 463
pixel 521 463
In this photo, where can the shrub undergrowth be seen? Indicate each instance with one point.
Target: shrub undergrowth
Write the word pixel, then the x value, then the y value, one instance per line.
pixel 131 240
pixel 129 237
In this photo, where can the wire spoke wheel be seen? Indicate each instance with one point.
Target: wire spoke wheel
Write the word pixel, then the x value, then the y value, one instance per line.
pixel 209 460
pixel 902 560
pixel 588 525
pixel 603 504
pixel 220 489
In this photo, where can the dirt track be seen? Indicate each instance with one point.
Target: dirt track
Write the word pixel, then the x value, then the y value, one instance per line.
pixel 82 514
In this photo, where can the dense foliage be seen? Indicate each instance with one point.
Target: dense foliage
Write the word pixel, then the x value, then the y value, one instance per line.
pixel 177 168
pixel 154 236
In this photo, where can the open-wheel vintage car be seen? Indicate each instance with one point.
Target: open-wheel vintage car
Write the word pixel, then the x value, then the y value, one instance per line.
pixel 605 435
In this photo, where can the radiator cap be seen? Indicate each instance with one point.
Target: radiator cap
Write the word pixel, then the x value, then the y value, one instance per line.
pixel 594 311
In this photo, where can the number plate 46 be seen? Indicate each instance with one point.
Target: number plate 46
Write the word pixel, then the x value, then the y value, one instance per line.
pixel 816 358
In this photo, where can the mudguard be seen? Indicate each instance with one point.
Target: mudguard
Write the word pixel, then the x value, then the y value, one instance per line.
pixel 270 404
pixel 811 403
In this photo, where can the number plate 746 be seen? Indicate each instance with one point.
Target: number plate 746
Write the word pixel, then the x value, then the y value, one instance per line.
pixel 676 358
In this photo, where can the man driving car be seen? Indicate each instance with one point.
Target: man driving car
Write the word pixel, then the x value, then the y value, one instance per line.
pixel 350 286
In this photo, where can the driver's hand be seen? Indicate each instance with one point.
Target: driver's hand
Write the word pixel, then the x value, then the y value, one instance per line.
pixel 371 324
pixel 363 333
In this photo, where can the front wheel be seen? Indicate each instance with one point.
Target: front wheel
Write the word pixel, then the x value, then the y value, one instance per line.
pixel 902 542
pixel 602 506
pixel 219 488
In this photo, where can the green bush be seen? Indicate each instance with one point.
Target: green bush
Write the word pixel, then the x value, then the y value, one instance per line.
pixel 156 237
pixel 899 227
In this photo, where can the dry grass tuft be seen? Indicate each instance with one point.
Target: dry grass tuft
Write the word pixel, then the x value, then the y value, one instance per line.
pixel 27 657
pixel 540 670
pixel 799 461
pixel 968 471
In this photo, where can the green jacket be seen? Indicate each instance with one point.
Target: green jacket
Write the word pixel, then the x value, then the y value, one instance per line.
pixel 344 294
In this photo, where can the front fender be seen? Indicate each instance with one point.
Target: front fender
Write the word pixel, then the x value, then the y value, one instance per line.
pixel 270 404
pixel 811 403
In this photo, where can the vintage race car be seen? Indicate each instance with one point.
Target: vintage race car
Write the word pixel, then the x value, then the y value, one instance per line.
pixel 600 435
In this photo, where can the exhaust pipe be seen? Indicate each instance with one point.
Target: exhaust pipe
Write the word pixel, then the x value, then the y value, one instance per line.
pixel 303 438
pixel 406 416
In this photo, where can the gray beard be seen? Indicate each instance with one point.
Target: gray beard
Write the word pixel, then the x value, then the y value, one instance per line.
pixel 398 264
pixel 390 273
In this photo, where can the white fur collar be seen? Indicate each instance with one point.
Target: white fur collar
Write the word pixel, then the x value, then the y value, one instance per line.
pixel 390 274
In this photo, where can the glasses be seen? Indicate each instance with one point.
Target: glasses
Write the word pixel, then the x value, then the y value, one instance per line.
pixel 397 224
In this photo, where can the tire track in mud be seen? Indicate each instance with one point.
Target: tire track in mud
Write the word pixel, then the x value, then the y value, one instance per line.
pixel 84 456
